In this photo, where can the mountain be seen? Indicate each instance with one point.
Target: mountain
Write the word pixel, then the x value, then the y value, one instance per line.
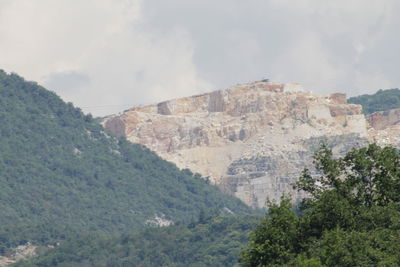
pixel 62 173
pixel 252 140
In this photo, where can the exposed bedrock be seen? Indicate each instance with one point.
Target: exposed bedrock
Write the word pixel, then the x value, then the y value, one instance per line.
pixel 252 140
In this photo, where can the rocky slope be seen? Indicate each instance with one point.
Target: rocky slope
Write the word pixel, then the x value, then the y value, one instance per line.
pixel 385 127
pixel 253 139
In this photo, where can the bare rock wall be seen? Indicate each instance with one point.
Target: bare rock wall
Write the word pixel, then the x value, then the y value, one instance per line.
pixel 249 139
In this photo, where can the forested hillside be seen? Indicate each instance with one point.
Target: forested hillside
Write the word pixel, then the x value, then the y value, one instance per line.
pixel 380 101
pixel 212 241
pixel 61 173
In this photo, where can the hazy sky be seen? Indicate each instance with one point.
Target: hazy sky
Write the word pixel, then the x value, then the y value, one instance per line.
pixel 108 55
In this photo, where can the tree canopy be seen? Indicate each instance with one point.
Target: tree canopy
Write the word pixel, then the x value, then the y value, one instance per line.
pixel 61 173
pixel 380 101
pixel 211 241
pixel 351 217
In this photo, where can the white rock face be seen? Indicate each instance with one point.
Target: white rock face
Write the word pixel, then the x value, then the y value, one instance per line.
pixel 293 87
pixel 385 127
pixel 252 140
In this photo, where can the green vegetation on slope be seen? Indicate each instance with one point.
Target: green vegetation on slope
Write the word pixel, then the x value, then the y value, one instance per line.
pixel 352 217
pixel 380 101
pixel 61 173
pixel 209 242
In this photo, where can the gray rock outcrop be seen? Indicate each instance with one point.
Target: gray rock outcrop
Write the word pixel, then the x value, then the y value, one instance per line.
pixel 252 140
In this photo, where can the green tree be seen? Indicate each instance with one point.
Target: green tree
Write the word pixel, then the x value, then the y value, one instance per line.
pixel 215 242
pixel 351 217
pixel 274 241
pixel 365 176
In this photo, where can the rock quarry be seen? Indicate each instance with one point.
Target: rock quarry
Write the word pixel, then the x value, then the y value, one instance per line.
pixel 253 140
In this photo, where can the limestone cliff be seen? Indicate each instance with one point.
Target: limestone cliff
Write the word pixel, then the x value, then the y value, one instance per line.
pixel 252 139
pixel 385 127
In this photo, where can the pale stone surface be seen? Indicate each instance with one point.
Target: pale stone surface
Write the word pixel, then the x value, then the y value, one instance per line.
pixel 226 133
pixel 385 127
pixel 19 253
pixel 159 220
pixel 383 119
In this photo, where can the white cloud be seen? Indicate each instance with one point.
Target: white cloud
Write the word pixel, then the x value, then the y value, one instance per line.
pixel 370 82
pixel 100 40
pixel 126 52
pixel 44 36
pixel 308 60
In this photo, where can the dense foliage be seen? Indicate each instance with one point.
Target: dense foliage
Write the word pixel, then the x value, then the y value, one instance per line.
pixel 380 101
pixel 61 173
pixel 352 217
pixel 212 241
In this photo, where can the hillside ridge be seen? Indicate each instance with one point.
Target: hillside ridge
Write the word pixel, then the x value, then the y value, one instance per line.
pixel 62 173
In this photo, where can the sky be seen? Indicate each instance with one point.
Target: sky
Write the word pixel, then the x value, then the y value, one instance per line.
pixel 106 56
